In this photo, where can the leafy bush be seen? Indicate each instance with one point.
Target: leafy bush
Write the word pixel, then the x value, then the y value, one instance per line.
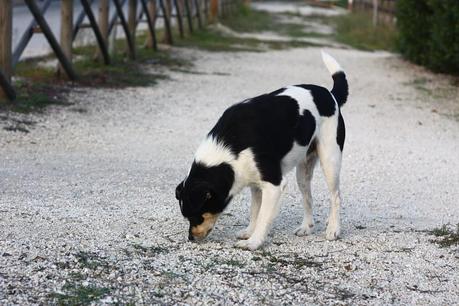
pixel 429 33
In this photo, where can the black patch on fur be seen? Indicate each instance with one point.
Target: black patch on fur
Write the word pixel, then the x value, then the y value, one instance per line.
pixel 269 124
pixel 341 132
pixel 305 129
pixel 340 88
pixel 203 181
pixel 323 99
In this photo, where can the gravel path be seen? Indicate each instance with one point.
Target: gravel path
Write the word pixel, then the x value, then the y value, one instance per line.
pixel 87 207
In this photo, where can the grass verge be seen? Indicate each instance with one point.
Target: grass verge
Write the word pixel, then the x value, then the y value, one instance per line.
pixel 354 29
pixel 39 86
pixel 212 39
pixel 446 236
pixel 357 30
pixel 246 20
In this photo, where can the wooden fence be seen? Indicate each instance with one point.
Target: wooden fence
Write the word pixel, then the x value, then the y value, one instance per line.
pixel 383 10
pixel 184 12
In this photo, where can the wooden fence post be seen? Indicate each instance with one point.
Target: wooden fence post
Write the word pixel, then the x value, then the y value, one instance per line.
pixel 375 12
pixel 197 5
pixel 104 10
pixel 166 16
pixel 6 28
pixel 213 10
pixel 178 12
pixel 189 16
pixel 66 38
pixel 132 16
pixel 206 10
pixel 169 9
pixel 151 37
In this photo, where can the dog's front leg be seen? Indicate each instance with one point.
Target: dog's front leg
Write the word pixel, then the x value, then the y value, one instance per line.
pixel 254 209
pixel 268 211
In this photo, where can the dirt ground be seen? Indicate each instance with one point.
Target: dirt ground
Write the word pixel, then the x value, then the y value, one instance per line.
pixel 88 214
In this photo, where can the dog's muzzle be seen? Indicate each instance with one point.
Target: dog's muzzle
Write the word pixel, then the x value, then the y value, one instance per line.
pixel 201 231
pixel 199 237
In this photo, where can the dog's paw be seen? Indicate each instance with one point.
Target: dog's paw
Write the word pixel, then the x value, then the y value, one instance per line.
pixel 304 230
pixel 250 244
pixel 332 232
pixel 244 234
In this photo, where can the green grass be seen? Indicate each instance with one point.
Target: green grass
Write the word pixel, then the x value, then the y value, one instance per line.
pixel 342 3
pixel 447 236
pixel 233 262
pixel 211 39
pixel 246 20
pixel 79 295
pixel 122 72
pixel 36 88
pixel 357 31
pixel 90 261
pixel 149 250
pixel 35 97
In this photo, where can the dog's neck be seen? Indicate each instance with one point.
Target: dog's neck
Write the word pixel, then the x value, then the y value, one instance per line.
pixel 213 152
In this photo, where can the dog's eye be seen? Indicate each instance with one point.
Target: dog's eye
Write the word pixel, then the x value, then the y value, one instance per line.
pixel 208 195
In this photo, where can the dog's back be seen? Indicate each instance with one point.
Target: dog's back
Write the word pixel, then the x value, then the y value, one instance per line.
pixel 280 126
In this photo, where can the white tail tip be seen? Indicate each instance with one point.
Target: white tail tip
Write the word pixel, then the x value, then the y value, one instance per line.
pixel 331 64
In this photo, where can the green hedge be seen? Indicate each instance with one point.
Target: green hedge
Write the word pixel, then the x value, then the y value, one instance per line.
pixel 429 33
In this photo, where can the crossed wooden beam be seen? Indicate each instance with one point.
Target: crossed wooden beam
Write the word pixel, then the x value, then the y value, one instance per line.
pixel 41 22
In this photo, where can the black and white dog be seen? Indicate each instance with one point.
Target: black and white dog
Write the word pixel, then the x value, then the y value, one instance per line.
pixel 255 144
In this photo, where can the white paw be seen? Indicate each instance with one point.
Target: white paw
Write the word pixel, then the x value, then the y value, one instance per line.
pixel 244 234
pixel 333 232
pixel 250 244
pixel 304 230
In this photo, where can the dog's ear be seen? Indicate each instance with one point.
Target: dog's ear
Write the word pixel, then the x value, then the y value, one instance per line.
pixel 178 191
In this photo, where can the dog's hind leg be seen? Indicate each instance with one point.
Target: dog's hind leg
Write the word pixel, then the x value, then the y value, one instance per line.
pixel 330 156
pixel 268 211
pixel 304 172
pixel 254 209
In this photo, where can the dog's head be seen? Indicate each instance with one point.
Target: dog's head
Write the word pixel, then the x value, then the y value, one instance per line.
pixel 201 204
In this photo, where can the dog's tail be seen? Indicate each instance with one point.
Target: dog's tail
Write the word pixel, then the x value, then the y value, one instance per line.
pixel 340 87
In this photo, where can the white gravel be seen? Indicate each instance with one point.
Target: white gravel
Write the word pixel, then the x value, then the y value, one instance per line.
pixel 87 198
